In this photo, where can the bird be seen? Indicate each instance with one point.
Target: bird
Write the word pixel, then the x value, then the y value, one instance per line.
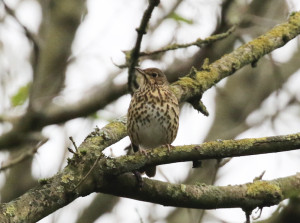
pixel 153 114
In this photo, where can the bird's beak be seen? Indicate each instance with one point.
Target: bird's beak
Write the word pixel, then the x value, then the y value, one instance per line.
pixel 141 71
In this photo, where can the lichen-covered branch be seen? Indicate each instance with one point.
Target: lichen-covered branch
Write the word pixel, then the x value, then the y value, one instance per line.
pixel 197 82
pixel 246 196
pixel 53 195
pixel 57 191
pixel 63 188
pixel 208 150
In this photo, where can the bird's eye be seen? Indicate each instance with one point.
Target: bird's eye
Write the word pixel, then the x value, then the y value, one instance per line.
pixel 154 74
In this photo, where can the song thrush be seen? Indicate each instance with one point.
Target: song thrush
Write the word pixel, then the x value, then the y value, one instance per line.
pixel 152 119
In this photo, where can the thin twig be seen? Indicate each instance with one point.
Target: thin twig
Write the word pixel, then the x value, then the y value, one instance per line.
pixel 199 42
pixel 74 144
pixel 259 215
pixel 28 33
pixel 260 176
pixel 134 54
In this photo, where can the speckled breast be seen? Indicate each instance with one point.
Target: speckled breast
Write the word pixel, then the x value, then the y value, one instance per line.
pixel 153 117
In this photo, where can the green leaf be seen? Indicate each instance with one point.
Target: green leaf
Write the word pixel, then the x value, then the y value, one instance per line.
pixel 179 18
pixel 21 96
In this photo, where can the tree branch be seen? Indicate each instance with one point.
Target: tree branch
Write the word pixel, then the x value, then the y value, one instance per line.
pixel 58 191
pixel 246 196
pixel 55 114
pixel 29 152
pixel 209 150
pixel 58 30
pixel 102 96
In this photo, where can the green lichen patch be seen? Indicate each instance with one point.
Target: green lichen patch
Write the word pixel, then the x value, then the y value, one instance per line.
pixel 183 188
pixel 67 178
pixel 10 211
pixel 206 78
pixel 177 91
pixel 261 189
pixel 187 82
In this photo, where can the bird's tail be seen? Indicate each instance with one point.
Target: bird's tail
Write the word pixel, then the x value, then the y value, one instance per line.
pixel 150 171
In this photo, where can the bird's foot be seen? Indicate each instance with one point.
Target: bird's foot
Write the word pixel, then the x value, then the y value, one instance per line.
pixel 143 152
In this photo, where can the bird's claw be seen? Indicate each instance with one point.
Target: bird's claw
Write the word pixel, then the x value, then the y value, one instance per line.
pixel 143 152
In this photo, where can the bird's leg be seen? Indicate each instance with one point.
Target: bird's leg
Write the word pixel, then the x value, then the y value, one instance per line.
pixel 169 147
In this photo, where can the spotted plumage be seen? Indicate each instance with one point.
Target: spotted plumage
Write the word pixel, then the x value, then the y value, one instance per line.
pixel 153 113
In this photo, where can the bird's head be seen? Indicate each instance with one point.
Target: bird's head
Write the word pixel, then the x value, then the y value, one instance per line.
pixel 152 76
